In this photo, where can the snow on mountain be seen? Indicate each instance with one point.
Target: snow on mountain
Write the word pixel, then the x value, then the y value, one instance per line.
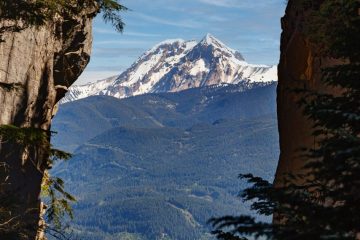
pixel 175 65
pixel 82 91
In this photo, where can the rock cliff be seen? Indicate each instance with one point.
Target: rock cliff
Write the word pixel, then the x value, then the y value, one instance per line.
pixel 300 67
pixel 37 65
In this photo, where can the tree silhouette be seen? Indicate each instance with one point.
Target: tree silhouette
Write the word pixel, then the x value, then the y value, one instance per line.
pixel 25 13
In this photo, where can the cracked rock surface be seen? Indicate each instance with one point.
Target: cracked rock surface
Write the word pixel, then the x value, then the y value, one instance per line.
pixel 300 67
pixel 37 65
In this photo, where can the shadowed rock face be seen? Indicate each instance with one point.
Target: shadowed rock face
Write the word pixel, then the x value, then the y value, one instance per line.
pixel 37 65
pixel 300 64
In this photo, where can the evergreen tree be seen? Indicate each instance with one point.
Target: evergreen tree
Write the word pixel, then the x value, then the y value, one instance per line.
pixel 25 13
pixel 326 204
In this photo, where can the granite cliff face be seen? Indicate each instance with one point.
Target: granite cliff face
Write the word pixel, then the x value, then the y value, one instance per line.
pixel 37 65
pixel 300 67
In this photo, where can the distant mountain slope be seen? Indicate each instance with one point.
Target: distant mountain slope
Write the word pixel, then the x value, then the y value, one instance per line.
pixel 79 92
pixel 82 120
pixel 175 65
pixel 156 182
pixel 158 166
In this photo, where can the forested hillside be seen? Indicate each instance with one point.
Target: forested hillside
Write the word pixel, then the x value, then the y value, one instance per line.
pixel 78 122
pixel 159 166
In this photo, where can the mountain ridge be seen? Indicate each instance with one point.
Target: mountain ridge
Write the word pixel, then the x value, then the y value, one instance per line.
pixel 185 108
pixel 176 65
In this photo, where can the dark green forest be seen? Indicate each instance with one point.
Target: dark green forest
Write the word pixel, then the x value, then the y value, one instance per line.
pixel 173 166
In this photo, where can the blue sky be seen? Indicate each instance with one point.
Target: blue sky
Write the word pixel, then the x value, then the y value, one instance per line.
pixel 250 26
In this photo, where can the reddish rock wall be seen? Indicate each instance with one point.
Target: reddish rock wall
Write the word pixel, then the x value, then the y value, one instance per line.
pixel 299 67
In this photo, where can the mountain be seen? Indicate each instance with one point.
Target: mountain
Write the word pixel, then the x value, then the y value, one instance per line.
pixel 175 65
pixel 80 92
pixel 79 121
pixel 151 182
pixel 158 166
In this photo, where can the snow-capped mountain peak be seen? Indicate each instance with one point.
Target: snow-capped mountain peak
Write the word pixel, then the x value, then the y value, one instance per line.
pixel 210 40
pixel 175 65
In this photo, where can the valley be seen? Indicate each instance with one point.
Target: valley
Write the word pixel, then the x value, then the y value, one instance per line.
pixel 158 166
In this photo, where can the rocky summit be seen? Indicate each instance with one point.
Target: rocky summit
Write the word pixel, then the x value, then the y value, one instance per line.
pixel 176 65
